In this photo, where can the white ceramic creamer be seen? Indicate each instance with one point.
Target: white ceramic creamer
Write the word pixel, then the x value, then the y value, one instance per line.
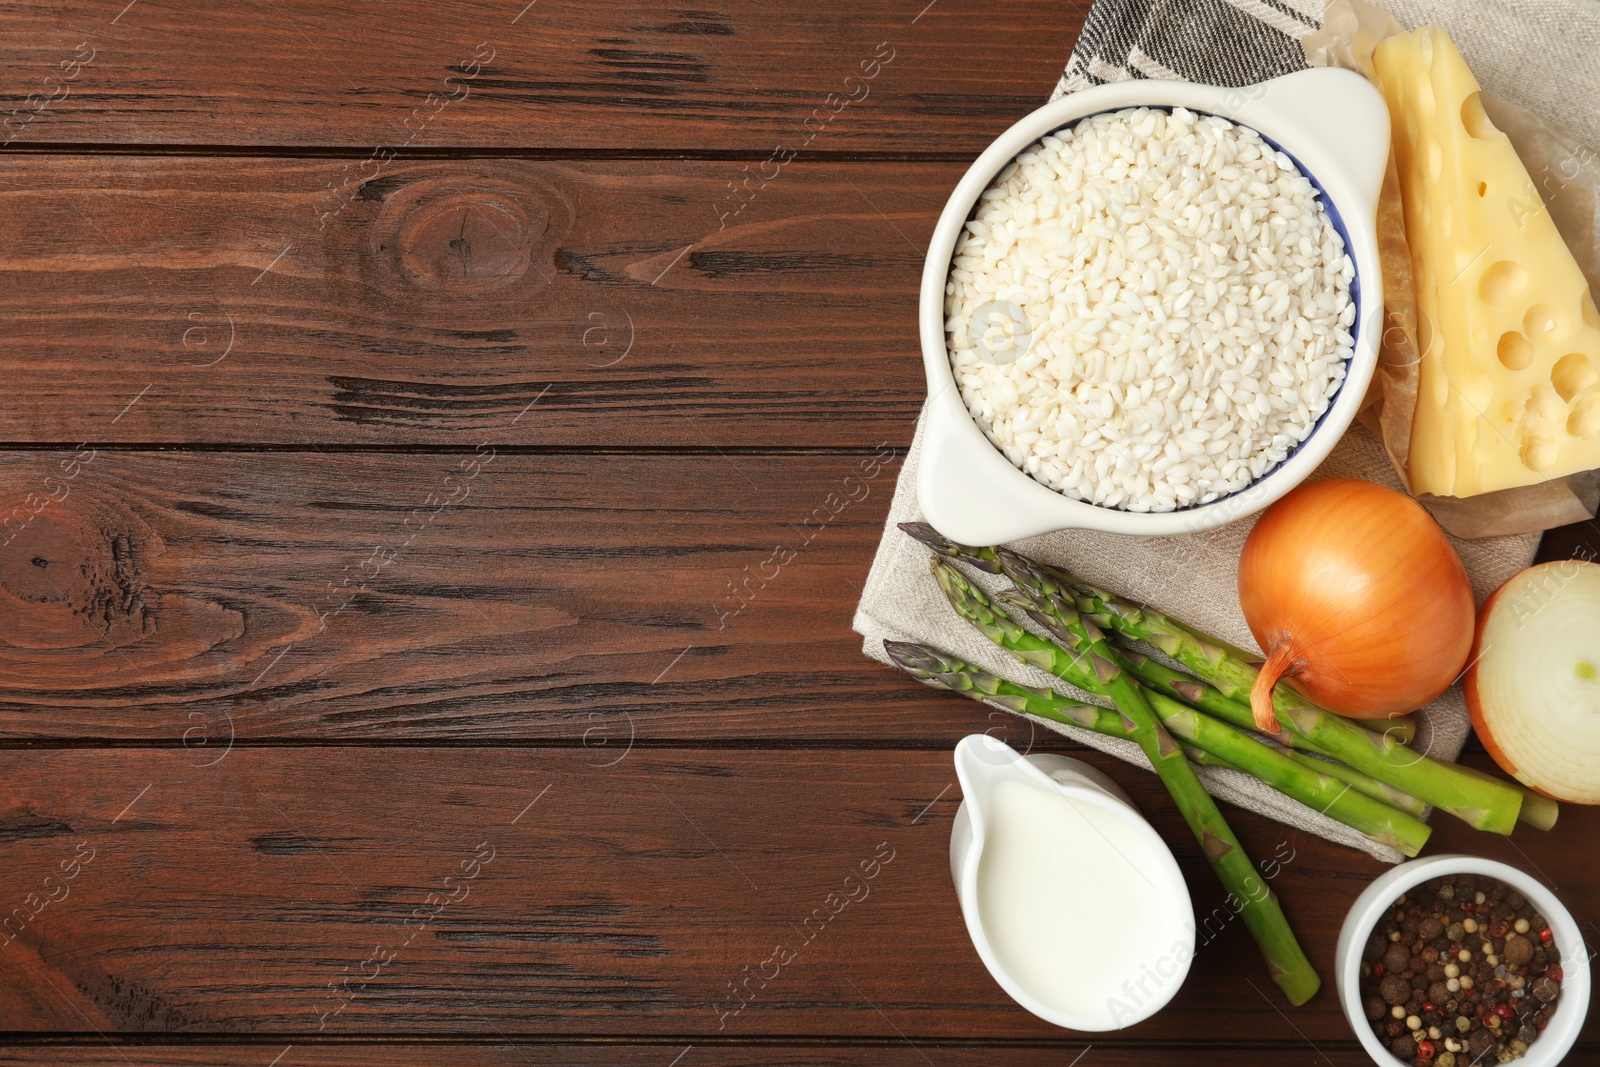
pixel 1074 903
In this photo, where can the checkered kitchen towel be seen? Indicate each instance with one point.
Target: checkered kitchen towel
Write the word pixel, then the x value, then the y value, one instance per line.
pixel 1541 54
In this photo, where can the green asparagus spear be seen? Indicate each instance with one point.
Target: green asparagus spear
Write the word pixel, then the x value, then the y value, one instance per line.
pixel 1097 673
pixel 1197 694
pixel 1205 741
pixel 941 670
pixel 984 559
pixel 1186 687
pixel 1364 784
pixel 1050 605
pixel 1537 811
pixel 1481 801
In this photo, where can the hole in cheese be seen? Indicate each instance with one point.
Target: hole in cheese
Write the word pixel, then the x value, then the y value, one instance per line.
pixel 1572 374
pixel 1514 350
pixel 1475 119
pixel 1585 418
pixel 1502 281
pixel 1543 322
pixel 1483 188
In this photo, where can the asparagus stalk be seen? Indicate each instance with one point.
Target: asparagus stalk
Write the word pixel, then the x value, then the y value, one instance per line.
pixel 1205 741
pixel 1537 811
pixel 941 670
pixel 1183 686
pixel 985 559
pixel 1364 784
pixel 1049 604
pixel 1197 694
pixel 1096 672
pixel 1481 801
pixel 1201 758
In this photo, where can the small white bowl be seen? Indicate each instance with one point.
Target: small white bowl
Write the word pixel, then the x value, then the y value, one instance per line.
pixel 982 763
pixel 1573 1005
pixel 1335 126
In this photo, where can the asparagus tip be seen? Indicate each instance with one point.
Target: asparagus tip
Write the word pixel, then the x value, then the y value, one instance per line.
pixel 943 546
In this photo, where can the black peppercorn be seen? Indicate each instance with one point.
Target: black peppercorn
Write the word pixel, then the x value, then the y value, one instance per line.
pixel 1480 1041
pixel 1394 989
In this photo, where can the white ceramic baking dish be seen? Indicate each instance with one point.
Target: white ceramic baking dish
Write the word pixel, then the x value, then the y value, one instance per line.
pixel 1335 126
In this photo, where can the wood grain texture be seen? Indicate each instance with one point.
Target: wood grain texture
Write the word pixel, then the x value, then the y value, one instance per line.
pixel 287 302
pixel 574 599
pixel 504 747
pixel 477 73
pixel 889 1053
pixel 618 900
pixel 1581 540
pixel 578 599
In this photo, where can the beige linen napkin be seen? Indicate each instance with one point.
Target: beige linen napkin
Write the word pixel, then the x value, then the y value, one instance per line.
pixel 1539 53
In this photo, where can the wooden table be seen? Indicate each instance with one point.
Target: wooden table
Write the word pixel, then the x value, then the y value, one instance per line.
pixel 391 646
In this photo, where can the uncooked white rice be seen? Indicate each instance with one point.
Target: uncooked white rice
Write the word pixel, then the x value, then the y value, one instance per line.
pixel 1149 310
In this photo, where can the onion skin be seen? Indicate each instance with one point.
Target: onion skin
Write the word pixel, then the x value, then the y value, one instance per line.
pixel 1358 599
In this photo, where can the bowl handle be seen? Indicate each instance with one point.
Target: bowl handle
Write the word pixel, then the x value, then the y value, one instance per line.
pixel 1335 107
pixel 969 490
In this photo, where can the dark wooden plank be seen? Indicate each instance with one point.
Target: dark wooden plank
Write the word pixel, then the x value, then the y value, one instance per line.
pixel 284 302
pixel 1581 540
pixel 736 75
pixel 624 900
pixel 579 599
pixel 901 1053
pixel 572 599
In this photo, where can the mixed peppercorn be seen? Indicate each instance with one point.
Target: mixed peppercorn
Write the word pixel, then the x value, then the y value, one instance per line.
pixel 1461 972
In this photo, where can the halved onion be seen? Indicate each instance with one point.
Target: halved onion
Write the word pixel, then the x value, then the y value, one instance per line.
pixel 1534 685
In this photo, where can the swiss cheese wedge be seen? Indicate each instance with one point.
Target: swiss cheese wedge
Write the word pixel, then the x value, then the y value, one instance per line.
pixel 1510 378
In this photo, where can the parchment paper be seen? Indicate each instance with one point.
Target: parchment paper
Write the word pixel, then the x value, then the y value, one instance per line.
pixel 1567 174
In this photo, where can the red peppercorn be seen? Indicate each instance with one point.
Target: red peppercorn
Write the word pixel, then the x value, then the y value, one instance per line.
pixel 1541 1022
pixel 1377 970
pixel 1545 935
pixel 1427 1005
pixel 1498 928
pixel 1503 1010
pixel 1553 972
pixel 1425 1049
